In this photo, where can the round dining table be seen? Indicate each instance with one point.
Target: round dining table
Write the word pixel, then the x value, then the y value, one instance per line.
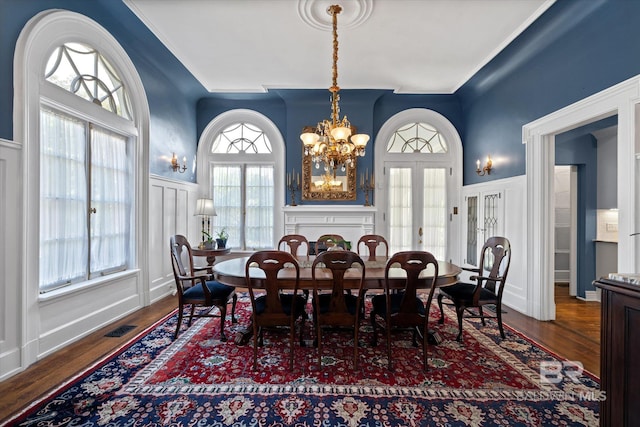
pixel 232 272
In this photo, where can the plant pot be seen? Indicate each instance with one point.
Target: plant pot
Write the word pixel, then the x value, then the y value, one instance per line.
pixel 208 244
pixel 222 243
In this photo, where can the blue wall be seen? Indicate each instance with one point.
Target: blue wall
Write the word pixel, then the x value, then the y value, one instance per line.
pixel 171 90
pixel 576 49
pixel 291 110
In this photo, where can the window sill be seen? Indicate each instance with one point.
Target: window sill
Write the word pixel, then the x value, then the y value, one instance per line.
pixel 86 286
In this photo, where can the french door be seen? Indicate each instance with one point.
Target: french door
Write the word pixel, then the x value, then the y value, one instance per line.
pixel 484 219
pixel 418 211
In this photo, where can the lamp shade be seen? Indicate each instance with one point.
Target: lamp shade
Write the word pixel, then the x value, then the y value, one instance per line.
pixel 360 139
pixel 205 207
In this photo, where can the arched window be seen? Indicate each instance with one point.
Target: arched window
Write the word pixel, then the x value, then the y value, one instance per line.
pixel 83 122
pixel 418 153
pixel 417 138
pixel 241 158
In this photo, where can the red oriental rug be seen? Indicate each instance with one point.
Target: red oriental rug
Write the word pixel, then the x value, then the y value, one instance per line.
pixel 199 380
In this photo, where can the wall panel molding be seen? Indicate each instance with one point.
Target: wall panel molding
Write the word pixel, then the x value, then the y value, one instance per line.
pixel 10 251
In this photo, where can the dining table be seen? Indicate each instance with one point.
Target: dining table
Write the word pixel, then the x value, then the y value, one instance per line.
pixel 232 272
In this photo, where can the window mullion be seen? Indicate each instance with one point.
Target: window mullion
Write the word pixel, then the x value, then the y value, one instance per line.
pixel 90 208
pixel 243 189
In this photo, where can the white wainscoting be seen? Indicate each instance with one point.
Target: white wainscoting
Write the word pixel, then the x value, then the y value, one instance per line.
pixel 10 256
pixel 514 229
pixel 171 207
pixel 312 221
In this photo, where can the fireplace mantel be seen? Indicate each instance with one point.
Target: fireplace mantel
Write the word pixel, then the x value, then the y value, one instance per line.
pixel 312 221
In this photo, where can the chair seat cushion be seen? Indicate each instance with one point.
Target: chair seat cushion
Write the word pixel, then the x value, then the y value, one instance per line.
pixel 218 291
pixel 380 304
pixel 464 292
pixel 350 300
pixel 286 300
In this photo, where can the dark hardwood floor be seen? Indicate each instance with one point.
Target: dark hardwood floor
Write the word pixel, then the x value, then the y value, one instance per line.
pixel 574 335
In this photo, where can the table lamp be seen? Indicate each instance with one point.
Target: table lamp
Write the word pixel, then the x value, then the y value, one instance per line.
pixel 204 208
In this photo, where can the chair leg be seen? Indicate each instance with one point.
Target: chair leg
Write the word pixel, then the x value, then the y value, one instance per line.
pixel 193 308
pixel 302 320
pixel 390 367
pixel 441 320
pixel 256 331
pixel 355 346
pixel 425 354
pixel 499 317
pixel 481 313
pixel 233 308
pixel 180 309
pixel 292 335
pixel 319 344
pixel 223 316
pixel 374 338
pixel 460 313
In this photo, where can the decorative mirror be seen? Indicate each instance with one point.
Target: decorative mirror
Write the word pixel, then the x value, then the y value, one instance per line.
pixel 320 185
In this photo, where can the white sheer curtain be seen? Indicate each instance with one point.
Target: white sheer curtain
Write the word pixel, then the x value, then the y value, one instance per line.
pixel 71 249
pixel 259 201
pixel 226 182
pixel 244 206
pixel 434 211
pixel 109 197
pixel 400 209
pixel 63 200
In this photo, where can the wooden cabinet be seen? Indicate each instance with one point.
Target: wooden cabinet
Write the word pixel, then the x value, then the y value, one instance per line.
pixel 620 347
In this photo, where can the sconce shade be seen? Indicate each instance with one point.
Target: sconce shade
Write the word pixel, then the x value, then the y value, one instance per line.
pixel 205 207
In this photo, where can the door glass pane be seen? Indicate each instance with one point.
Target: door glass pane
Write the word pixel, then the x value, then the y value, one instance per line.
pixel 490 223
pixel 110 198
pixel 63 200
pixel 260 197
pixel 434 212
pixel 472 230
pixel 226 182
pixel 400 209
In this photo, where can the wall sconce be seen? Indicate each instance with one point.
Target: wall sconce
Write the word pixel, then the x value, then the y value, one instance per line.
pixel 175 166
pixel 486 169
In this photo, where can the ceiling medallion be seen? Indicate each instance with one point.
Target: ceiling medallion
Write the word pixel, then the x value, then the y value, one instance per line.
pixel 314 13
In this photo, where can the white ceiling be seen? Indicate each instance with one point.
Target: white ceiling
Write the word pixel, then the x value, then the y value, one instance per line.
pixel 409 46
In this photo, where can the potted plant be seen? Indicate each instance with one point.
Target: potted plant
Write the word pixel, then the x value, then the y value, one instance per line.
pixel 221 238
pixel 207 244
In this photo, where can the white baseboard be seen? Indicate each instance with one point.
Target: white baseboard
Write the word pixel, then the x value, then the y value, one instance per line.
pixel 590 296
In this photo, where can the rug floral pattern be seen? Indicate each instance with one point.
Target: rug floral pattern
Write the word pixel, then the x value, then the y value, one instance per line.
pixel 197 380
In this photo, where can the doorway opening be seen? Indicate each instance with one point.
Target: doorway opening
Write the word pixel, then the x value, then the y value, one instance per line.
pixel 539 137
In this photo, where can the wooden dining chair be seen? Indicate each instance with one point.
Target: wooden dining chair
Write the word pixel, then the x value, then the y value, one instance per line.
pixel 404 308
pixel 332 305
pixel 196 287
pixel 490 279
pixel 272 304
pixel 327 240
pixel 296 244
pixel 371 242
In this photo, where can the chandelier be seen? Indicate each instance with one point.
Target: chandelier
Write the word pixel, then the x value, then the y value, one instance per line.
pixel 334 141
